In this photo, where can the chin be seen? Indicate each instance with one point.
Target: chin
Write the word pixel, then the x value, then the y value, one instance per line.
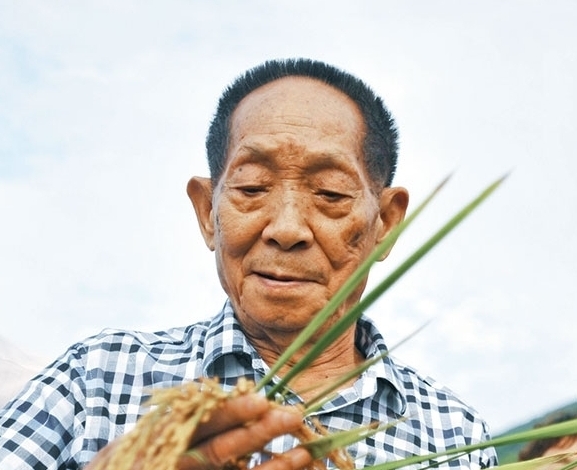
pixel 280 316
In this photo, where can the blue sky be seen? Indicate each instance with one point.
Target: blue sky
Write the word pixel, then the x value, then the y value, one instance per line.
pixel 104 108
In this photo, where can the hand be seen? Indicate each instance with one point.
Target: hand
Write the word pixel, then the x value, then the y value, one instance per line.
pixel 244 424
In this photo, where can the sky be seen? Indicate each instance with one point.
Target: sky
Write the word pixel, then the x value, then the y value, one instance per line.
pixel 104 107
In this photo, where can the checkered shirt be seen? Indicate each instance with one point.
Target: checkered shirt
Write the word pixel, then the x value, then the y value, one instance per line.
pixel 95 391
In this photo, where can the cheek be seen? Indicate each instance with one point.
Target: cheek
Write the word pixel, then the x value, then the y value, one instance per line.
pixel 349 240
pixel 234 233
pixel 362 232
pixel 360 229
pixel 232 242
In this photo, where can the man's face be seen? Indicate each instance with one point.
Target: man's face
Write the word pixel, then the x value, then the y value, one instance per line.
pixel 293 214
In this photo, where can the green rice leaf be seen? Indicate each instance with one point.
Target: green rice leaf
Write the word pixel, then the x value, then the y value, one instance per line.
pixel 322 446
pixel 554 430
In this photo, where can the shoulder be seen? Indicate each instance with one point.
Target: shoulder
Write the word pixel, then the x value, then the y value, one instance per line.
pixel 112 353
pixel 439 419
pixel 421 384
pixel 449 421
pixel 426 395
pixel 116 351
pixel 114 340
pixel 421 392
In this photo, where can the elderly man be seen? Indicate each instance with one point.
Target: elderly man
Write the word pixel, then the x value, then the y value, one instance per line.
pixel 302 157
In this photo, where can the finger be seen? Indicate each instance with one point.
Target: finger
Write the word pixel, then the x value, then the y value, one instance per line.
pixel 295 459
pixel 214 453
pixel 233 413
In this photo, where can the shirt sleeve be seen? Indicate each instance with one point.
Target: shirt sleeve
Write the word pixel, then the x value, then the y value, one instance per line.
pixel 487 457
pixel 38 428
pixel 478 430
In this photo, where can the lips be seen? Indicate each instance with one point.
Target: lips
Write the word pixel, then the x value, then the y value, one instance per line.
pixel 281 277
pixel 285 269
pixel 283 272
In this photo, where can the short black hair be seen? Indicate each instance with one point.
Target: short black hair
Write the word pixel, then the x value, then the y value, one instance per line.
pixel 381 139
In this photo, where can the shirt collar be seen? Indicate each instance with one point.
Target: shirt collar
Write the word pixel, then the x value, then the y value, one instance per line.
pixel 371 343
pixel 225 337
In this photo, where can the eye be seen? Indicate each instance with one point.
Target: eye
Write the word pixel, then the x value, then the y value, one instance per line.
pixel 331 196
pixel 252 190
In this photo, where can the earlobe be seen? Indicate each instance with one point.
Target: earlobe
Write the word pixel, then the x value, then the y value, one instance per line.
pixel 393 205
pixel 200 193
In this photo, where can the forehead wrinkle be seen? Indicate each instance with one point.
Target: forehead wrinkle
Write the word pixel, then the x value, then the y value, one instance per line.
pixel 321 160
pixel 294 120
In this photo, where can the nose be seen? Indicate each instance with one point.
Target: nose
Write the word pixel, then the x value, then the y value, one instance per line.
pixel 288 225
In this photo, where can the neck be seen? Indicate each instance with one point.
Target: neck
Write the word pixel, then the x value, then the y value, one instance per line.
pixel 337 359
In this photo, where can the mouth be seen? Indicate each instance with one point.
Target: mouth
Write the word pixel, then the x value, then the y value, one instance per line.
pixel 279 277
pixel 273 271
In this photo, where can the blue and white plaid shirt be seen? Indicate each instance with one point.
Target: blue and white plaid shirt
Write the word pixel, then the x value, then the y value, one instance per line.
pixel 95 392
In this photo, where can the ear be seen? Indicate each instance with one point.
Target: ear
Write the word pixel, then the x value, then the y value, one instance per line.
pixel 200 193
pixel 393 205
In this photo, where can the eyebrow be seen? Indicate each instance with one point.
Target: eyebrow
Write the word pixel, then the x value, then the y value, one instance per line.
pixel 250 154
